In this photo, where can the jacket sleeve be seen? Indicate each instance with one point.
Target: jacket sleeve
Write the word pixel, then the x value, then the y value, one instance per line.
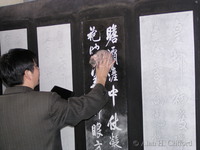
pixel 75 109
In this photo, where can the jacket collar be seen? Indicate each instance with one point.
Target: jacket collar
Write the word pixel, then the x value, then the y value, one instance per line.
pixel 17 89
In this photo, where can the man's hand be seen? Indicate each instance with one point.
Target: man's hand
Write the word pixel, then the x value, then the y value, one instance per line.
pixel 103 63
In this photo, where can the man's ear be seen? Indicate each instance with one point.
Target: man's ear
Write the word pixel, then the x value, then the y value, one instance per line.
pixel 28 75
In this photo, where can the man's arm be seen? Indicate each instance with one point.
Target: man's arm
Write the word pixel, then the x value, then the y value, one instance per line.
pixel 77 109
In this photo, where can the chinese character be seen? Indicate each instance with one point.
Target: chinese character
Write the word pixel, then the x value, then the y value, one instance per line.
pixel 111 34
pixel 113 51
pixel 94 78
pixel 113 76
pixel 92 48
pixel 98 145
pixel 114 141
pixel 113 93
pixel 113 122
pixel 96 130
pixel 91 36
pixel 99 114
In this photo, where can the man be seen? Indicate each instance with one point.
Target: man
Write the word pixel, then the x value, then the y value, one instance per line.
pixel 31 120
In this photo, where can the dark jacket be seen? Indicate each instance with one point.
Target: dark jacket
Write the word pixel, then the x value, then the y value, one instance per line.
pixel 31 120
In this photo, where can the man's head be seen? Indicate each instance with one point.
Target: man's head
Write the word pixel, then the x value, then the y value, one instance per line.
pixel 17 66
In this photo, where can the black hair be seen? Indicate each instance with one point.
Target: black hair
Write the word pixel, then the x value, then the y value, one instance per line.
pixel 13 65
